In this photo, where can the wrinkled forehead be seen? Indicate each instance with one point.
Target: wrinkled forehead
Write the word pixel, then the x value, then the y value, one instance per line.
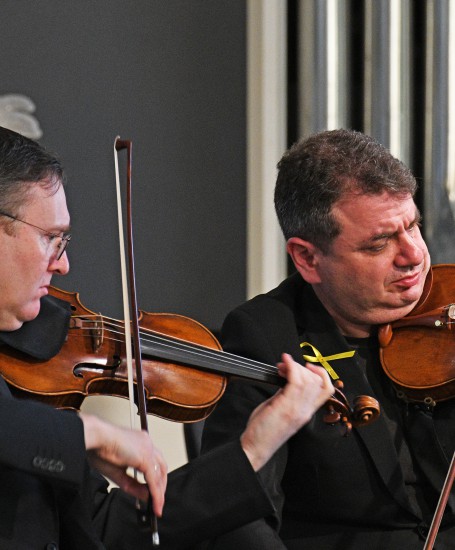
pixel 366 210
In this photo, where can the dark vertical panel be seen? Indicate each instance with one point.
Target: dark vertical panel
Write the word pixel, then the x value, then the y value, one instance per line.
pixel 357 43
pixel 170 76
pixel 418 99
pixel 293 71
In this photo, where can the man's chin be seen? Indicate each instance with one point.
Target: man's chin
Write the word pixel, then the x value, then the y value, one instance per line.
pixel 13 318
pixel 31 312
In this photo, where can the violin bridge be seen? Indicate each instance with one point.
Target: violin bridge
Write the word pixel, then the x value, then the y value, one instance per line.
pixel 97 333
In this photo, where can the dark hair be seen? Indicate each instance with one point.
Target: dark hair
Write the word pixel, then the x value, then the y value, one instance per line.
pixel 24 162
pixel 317 172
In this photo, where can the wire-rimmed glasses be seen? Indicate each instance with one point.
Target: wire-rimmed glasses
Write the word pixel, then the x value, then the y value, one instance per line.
pixel 64 239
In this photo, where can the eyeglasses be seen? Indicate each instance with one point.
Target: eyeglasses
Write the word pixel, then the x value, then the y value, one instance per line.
pixel 64 239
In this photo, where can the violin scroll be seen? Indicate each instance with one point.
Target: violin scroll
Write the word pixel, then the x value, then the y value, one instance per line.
pixel 365 410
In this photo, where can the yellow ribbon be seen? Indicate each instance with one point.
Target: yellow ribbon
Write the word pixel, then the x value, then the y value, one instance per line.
pixel 324 361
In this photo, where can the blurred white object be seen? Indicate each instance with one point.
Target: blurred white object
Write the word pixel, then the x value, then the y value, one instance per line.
pixel 15 114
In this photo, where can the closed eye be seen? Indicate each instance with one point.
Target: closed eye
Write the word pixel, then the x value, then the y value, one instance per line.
pixel 377 245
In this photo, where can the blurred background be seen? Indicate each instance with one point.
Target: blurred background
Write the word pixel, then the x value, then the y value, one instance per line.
pixel 211 94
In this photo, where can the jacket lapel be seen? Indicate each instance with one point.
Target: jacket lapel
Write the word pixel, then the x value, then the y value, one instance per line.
pixel 325 337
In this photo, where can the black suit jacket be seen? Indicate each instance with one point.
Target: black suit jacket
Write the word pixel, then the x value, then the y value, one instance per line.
pixel 330 492
pixel 49 497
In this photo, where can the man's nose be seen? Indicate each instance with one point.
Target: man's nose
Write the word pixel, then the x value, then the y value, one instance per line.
pixel 60 266
pixel 410 251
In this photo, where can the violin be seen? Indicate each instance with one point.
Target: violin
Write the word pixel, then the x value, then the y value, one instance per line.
pixel 185 371
pixel 417 351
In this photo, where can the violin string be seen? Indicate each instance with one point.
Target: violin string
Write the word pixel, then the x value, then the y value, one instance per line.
pixel 218 356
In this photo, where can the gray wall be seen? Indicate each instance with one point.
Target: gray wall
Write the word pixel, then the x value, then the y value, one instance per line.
pixel 170 76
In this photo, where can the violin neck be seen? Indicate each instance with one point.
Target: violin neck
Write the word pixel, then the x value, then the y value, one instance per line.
pixel 211 360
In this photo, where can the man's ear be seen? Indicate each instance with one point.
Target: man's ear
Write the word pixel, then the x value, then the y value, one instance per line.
pixel 305 257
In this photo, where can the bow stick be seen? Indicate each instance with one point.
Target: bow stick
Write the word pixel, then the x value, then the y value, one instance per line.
pixel 145 516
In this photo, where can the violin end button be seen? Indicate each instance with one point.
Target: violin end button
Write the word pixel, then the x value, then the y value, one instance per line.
pixel 385 335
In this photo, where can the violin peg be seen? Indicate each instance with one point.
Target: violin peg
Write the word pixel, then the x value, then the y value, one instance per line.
pixel 332 416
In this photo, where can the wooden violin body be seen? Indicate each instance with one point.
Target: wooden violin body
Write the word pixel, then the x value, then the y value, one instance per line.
pixel 418 351
pixel 92 362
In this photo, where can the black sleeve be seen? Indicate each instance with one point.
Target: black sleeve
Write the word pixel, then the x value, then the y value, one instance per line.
pixel 42 441
pixel 211 495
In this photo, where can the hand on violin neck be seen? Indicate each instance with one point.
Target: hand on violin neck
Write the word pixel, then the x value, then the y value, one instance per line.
pixel 273 422
pixel 112 450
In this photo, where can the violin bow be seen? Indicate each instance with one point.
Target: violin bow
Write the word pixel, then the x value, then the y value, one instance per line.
pixel 145 516
pixel 443 498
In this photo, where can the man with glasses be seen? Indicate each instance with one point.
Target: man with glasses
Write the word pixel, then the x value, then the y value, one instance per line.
pixel 52 495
